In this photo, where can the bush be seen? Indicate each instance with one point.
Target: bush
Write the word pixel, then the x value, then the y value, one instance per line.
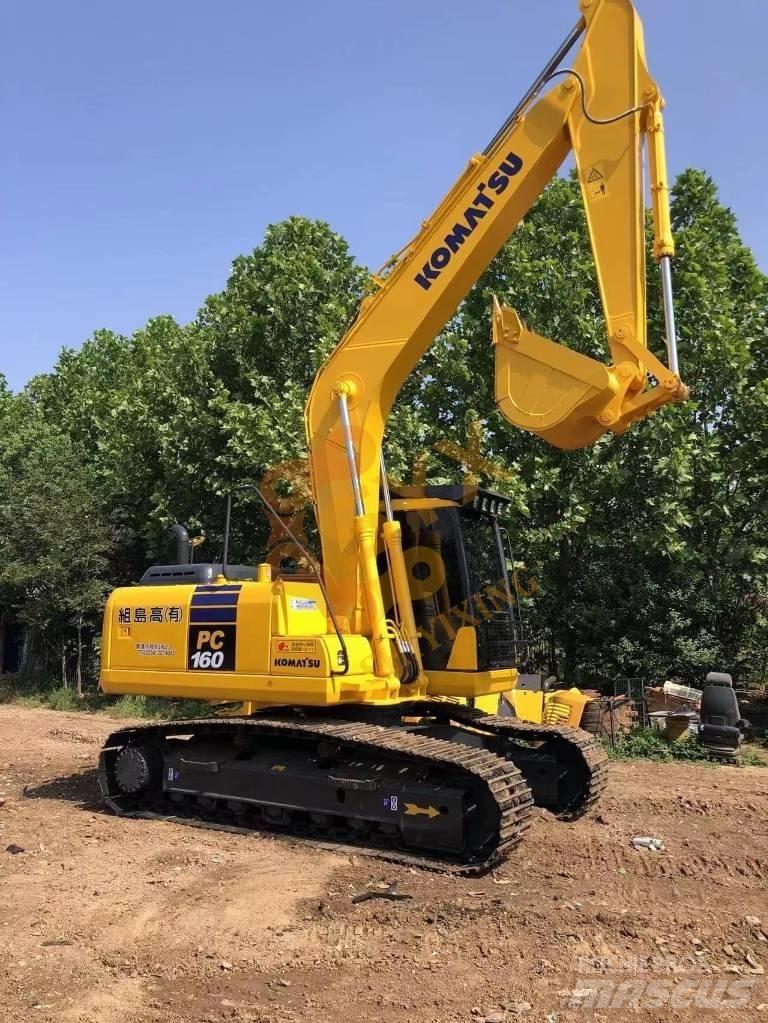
pixel 61 698
pixel 649 744
pixel 30 692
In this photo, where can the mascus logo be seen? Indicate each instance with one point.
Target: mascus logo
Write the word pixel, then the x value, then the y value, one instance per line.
pixel 498 182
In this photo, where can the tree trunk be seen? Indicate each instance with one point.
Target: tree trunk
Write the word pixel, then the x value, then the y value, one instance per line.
pixel 79 669
pixel 64 681
pixel 571 661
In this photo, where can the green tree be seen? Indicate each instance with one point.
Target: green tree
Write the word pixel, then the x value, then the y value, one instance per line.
pixel 55 542
pixel 281 313
pixel 173 417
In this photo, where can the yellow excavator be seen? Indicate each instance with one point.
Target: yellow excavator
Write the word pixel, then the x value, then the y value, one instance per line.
pixel 362 688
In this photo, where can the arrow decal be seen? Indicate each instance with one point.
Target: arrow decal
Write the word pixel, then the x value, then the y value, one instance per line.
pixel 412 810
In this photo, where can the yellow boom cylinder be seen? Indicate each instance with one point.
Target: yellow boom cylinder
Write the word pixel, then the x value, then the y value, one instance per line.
pixel 374 605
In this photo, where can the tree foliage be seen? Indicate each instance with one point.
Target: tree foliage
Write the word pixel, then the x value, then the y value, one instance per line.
pixel 55 544
pixel 648 550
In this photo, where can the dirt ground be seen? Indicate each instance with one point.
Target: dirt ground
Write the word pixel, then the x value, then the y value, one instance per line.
pixel 105 920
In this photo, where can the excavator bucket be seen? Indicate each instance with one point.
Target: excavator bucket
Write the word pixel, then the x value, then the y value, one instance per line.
pixel 565 397
pixel 547 389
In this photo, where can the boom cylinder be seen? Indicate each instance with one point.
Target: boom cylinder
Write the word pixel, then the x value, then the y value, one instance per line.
pixel 365 537
pixel 349 444
pixel 374 605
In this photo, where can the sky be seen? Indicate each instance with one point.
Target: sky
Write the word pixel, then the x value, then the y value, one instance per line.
pixel 148 144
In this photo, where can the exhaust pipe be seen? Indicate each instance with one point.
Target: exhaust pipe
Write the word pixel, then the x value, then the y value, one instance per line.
pixel 183 547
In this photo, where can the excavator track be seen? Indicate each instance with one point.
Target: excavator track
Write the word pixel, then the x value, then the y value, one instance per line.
pixel 587 759
pixel 387 791
pixel 580 761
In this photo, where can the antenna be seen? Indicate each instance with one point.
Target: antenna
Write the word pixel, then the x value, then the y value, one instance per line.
pixel 227 522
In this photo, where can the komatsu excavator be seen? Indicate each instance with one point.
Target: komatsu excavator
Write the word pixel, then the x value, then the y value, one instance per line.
pixel 359 689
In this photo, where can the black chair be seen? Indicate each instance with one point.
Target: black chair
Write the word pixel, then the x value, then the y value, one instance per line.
pixel 721 725
pixel 719 678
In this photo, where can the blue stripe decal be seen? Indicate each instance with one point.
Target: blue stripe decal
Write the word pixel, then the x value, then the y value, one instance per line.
pixel 218 589
pixel 214 616
pixel 214 599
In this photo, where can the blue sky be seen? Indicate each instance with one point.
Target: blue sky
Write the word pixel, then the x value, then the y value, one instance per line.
pixel 147 144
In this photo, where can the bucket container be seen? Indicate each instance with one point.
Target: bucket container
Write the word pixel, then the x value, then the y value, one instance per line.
pixel 547 389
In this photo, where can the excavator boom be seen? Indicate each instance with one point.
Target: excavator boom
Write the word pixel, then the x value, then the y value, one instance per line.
pixel 602 108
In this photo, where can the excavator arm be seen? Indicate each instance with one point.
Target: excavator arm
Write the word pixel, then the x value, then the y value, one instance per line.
pixel 602 108
pixel 610 106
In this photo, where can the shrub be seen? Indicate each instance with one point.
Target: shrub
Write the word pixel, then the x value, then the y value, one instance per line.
pixel 649 744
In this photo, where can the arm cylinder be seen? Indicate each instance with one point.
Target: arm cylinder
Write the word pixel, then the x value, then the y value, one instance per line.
pixel 663 242
pixel 669 314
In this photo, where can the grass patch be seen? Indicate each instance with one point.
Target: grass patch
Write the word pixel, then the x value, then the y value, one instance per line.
pixel 650 744
pixel 157 708
pixel 34 693
pixel 753 756
pixel 56 698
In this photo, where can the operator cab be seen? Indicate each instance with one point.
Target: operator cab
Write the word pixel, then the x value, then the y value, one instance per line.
pixel 457 555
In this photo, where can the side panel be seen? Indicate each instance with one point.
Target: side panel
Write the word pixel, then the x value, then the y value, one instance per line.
pixel 147 628
pixel 527 705
pixel 265 643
